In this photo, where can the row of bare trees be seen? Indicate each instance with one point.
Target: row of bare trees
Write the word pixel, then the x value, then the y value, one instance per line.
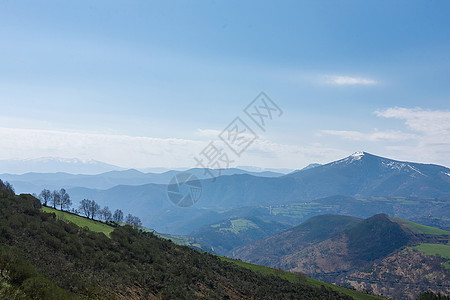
pixel 91 209
pixel 60 199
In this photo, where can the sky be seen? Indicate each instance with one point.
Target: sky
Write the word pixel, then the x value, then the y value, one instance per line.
pixel 153 83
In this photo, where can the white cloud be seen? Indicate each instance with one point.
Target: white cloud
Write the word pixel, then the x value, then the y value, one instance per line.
pixel 347 80
pixel 267 153
pixel 432 128
pixel 429 122
pixel 122 150
pixel 141 152
pixel 372 136
pixel 425 136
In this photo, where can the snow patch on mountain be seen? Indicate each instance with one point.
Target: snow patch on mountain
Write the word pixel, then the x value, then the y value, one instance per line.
pixel 352 158
pixel 417 171
pixel 358 154
pixel 394 165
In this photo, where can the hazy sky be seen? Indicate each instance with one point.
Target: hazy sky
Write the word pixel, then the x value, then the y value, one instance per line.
pixel 151 83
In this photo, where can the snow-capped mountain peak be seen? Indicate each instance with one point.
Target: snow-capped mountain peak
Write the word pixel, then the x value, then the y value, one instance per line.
pixel 358 154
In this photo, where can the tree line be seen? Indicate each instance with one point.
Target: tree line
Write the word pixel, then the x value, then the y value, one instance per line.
pixel 89 208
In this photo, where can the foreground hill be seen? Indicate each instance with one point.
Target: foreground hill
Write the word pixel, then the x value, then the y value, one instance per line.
pixel 46 258
pixel 373 254
pixel 98 226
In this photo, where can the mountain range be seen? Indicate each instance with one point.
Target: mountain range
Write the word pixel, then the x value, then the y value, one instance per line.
pixel 359 176
pixel 34 182
pixel 337 222
pixel 356 182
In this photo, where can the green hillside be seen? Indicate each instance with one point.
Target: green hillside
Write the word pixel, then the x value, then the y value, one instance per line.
pixel 98 226
pixel 421 229
pixel 82 222
pixel 47 257
pixel 435 249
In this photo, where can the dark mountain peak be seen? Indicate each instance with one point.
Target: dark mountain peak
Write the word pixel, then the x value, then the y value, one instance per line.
pixel 376 237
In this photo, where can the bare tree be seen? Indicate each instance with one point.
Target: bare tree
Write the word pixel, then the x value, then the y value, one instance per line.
pixel 45 196
pixel 95 208
pixel 137 222
pixel 55 199
pixel 132 220
pixel 118 216
pixel 106 214
pixel 64 199
pixel 129 219
pixel 85 206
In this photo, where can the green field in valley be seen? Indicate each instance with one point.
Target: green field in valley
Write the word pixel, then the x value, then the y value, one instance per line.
pixel 238 225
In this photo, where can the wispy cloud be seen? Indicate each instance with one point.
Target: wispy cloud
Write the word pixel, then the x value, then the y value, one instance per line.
pixel 123 150
pixel 424 135
pixel 140 151
pixel 348 80
pixel 429 122
pixel 371 136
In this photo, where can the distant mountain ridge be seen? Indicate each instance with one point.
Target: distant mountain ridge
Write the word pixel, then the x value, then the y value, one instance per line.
pixel 361 174
pixel 369 175
pixel 35 182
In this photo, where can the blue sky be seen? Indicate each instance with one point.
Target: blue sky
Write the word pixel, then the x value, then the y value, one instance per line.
pixel 150 83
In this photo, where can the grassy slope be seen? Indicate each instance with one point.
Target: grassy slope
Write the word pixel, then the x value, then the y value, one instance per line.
pixel 93 225
pixel 97 226
pixel 418 228
pixel 295 278
pixel 435 249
